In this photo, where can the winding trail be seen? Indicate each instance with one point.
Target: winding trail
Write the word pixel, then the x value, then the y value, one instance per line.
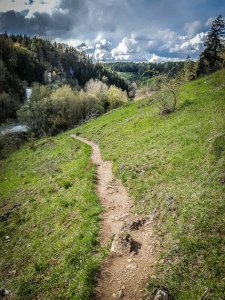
pixel 122 276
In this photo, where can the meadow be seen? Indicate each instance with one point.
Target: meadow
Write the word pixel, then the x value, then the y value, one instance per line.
pixel 172 166
pixel 49 244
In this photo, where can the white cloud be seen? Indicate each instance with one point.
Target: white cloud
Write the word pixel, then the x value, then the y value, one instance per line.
pixel 104 45
pixel 126 47
pixel 192 28
pixel 209 22
pixel 192 46
pixel 103 51
pixel 168 45
pixel 157 59
pixel 79 44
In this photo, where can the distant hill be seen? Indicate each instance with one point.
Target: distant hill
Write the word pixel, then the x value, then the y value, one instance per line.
pixel 143 71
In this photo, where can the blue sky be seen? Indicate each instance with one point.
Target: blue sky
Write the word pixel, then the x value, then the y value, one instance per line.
pixel 114 30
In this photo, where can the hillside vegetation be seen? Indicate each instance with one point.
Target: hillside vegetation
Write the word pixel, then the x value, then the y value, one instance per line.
pixel 173 167
pixel 48 243
pixel 26 61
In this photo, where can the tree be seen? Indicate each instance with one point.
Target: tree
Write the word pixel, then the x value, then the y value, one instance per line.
pixel 132 87
pixel 36 111
pixel 116 97
pixel 99 90
pixel 189 69
pixel 210 59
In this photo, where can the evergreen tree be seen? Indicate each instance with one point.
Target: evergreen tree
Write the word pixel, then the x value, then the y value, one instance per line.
pixel 210 59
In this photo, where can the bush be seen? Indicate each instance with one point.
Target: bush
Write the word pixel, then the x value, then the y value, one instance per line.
pixel 116 97
pixel 166 101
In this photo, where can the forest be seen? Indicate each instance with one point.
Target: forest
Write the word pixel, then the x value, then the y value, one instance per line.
pixel 25 60
pixel 66 84
pixel 146 68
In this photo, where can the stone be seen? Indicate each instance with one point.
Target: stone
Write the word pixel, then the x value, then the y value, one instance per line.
pixel 121 244
pixel 170 203
pixel 160 293
pixel 3 292
pixel 131 266
pixel 121 294
pixel 5 217
pixel 155 214
pixel 134 225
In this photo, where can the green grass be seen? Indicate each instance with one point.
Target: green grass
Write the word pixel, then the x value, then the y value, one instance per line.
pixel 134 77
pixel 172 164
pixel 49 247
pixel 131 76
pixel 176 165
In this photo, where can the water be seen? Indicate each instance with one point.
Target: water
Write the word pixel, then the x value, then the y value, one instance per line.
pixel 28 93
pixel 12 128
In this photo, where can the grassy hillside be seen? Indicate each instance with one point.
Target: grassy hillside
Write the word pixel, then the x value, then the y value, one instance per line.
pixel 49 246
pixel 132 76
pixel 174 167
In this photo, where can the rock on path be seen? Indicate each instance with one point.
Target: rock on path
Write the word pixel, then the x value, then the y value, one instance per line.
pixel 123 275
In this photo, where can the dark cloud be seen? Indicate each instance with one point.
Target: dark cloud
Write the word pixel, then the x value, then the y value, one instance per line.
pixel 41 24
pixel 121 29
pixel 13 22
pixel 104 45
pixel 82 45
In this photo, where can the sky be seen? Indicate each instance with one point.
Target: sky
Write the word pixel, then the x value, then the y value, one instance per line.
pixel 117 30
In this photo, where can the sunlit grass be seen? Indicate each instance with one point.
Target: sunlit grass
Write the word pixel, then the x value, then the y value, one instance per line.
pixel 49 246
pixel 175 165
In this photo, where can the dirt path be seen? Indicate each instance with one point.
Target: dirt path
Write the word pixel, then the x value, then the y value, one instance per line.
pixel 126 270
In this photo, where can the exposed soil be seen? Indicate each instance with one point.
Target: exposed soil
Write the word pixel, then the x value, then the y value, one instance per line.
pixel 123 275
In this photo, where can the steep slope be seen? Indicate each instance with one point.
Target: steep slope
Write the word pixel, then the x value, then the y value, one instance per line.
pixel 173 168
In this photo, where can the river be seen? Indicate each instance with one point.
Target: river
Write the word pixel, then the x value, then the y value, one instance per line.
pixel 12 128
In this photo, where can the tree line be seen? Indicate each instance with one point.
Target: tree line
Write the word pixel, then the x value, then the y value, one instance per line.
pixel 49 112
pixel 142 69
pixel 25 60
pixel 66 95
pixel 211 59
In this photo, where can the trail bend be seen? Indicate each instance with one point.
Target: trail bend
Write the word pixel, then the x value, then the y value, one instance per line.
pixel 122 276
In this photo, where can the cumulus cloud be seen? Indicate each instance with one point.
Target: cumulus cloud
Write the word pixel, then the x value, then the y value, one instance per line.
pixel 141 47
pixel 191 46
pixel 103 51
pixel 158 59
pixel 104 45
pixel 127 47
pixel 166 43
pixel 120 30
